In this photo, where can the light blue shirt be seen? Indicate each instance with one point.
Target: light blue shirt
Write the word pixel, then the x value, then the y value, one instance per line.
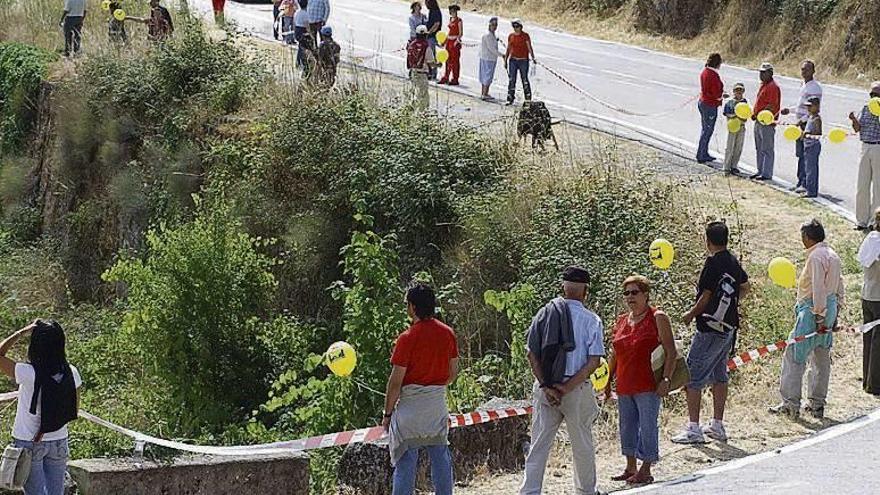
pixel 589 336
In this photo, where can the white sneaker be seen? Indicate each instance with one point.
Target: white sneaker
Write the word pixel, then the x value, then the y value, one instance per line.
pixel 715 431
pixel 800 189
pixel 689 436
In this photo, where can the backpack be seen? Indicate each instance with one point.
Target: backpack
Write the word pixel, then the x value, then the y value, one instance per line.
pixel 59 406
pixel 415 53
pixel 724 299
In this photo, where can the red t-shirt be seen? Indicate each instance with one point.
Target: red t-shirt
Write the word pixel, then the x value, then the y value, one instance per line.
pixel 633 346
pixel 711 87
pixel 425 350
pixel 518 45
pixel 769 98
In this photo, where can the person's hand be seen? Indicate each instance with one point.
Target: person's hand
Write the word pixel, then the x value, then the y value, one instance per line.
pixel 663 388
pixel 553 396
pixel 784 111
pixel 687 318
pixel 822 329
pixel 608 393
pixel 852 116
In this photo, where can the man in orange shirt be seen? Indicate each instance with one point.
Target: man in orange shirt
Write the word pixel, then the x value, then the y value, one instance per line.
pixel 519 49
pixel 769 98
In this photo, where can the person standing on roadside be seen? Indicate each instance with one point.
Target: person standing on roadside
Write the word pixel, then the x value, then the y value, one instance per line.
pixel 769 98
pixel 722 285
pixel 319 12
pixel 71 23
pixel 810 89
pixel 564 346
pixel 636 334
pixel 735 140
pixel 424 362
pixel 416 18
pixel 159 24
pixel 869 258
pixel 812 148
pixel 516 59
pixel 287 11
pixel 453 46
pixel 711 95
pixel 47 401
pixel 419 61
pixel 489 54
pixel 434 24
pixel 304 39
pixel 276 21
pixel 327 59
pixel 819 296
pixel 868 184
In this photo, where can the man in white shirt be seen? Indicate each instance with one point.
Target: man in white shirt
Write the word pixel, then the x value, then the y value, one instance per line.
pixel 71 23
pixel 811 88
pixel 488 58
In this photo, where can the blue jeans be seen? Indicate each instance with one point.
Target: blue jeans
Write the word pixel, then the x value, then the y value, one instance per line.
pixel 47 467
pixel 708 116
pixel 811 169
pixel 520 65
pixel 287 27
pixel 441 471
pixel 639 433
pixel 799 153
pixel 765 145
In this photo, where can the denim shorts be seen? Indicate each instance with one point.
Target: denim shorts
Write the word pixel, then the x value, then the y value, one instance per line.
pixel 707 359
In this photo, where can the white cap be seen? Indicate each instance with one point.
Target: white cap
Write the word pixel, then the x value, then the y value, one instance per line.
pixel 421 29
pixel 516 21
pixel 765 67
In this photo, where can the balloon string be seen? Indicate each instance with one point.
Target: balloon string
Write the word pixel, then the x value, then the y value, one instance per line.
pixel 364 386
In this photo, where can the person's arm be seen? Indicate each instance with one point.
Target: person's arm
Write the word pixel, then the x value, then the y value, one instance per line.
pixel 63 16
pixel 552 394
pixel 820 293
pixel 856 125
pixel 531 51
pixel 392 393
pixel 612 371
pixel 579 377
pixel 744 289
pixel 453 370
pixel 7 366
pixel 699 307
pixel 664 329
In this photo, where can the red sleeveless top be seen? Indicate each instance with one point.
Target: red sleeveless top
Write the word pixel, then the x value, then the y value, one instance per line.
pixel 633 346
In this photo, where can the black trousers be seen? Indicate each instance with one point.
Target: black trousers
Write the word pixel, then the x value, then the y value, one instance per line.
pixel 871 348
pixel 72 35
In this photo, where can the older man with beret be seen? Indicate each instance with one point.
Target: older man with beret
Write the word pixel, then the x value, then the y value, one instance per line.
pixel 564 346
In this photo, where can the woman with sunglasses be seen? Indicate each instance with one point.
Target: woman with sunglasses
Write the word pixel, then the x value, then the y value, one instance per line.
pixel 636 334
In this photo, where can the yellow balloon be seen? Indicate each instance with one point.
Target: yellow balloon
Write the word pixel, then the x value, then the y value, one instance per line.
pixel 601 376
pixel 119 15
pixel 874 106
pixel 793 133
pixel 765 117
pixel 341 358
pixel 743 110
pixel 782 272
pixel 105 5
pixel 442 56
pixel 837 136
pixel 734 125
pixel 662 253
pixel 441 37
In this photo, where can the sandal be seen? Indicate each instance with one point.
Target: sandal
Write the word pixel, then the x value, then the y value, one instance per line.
pixel 623 476
pixel 637 479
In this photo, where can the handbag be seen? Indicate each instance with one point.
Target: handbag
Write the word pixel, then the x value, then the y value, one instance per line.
pixel 15 467
pixel 680 376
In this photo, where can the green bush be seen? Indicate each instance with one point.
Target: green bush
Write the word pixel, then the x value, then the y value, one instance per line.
pixel 22 68
pixel 196 305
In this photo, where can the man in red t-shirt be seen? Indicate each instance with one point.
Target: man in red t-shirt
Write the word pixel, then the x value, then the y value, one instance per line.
pixel 519 49
pixel 711 94
pixel 769 98
pixel 424 362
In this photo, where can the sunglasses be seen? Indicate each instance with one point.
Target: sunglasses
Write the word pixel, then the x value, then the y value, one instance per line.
pixel 627 293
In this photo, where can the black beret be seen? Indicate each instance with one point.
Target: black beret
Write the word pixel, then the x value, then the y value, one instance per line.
pixel 576 274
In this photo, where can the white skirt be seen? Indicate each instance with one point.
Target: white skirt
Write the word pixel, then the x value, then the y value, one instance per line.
pixel 487 71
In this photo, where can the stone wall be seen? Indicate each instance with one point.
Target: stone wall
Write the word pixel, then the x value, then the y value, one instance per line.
pixel 286 474
pixel 499 446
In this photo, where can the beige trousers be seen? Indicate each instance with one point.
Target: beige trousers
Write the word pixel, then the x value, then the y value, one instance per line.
pixel 868 185
pixel 420 89
pixel 579 410
pixel 734 149
pixel 792 380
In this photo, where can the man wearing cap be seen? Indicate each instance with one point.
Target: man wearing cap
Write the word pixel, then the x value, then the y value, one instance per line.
pixel 769 98
pixel 489 54
pixel 711 93
pixel 868 185
pixel 419 61
pixel 810 89
pixel 328 58
pixel 565 342
pixel 519 49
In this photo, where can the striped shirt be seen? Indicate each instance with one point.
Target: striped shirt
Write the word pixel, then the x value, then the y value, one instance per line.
pixel 870 127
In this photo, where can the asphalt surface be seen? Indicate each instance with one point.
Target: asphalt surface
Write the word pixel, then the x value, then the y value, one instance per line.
pixel 374 32
pixel 842 461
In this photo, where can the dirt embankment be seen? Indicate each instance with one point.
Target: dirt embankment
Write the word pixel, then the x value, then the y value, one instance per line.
pixel 840 35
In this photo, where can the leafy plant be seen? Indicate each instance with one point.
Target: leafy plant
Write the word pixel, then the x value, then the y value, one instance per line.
pixel 22 68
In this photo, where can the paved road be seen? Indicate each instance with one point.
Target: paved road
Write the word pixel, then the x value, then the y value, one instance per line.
pixel 842 461
pixel 633 78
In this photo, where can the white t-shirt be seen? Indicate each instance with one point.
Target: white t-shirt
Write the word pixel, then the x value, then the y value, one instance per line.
pixel 489 47
pixel 27 425
pixel 808 90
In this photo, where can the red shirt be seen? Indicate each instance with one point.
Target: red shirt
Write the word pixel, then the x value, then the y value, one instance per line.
pixel 711 87
pixel 632 352
pixel 769 98
pixel 454 28
pixel 518 45
pixel 425 350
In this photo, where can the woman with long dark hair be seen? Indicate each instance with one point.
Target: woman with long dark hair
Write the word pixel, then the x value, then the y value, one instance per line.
pixel 47 401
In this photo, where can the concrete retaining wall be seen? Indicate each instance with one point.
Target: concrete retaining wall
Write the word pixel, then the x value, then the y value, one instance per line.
pixel 201 475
